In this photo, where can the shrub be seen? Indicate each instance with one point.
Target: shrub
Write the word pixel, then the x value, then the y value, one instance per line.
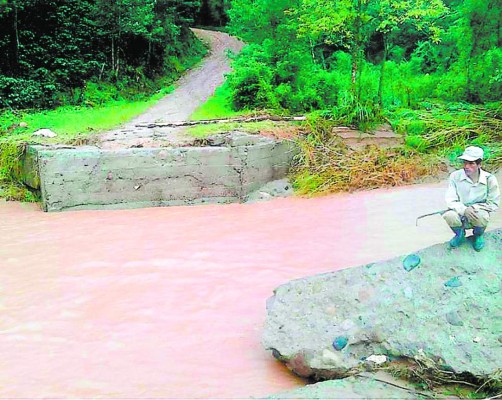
pixel 26 93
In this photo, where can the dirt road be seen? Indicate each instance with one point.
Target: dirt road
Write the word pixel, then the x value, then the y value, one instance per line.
pixel 170 302
pixel 193 89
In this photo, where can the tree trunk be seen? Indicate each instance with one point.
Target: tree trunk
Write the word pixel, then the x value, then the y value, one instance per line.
pixel 113 53
pixel 14 62
pixel 149 55
pixel 356 56
pixel 312 51
pixel 382 72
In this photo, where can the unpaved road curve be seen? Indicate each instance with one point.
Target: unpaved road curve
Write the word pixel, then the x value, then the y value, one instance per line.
pixel 169 302
pixel 193 89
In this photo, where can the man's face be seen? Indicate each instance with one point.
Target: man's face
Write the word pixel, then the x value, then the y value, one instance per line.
pixel 471 168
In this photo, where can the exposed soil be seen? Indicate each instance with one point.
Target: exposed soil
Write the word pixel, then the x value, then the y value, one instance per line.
pixel 192 90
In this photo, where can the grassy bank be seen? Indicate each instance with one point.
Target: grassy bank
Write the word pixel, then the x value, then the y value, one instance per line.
pixel 434 138
pixel 218 106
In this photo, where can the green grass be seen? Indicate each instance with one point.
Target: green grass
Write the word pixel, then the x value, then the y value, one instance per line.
pixel 446 129
pixel 217 106
pixel 202 131
pixel 69 122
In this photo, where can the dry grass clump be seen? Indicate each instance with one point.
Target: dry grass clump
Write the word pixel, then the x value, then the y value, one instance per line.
pixel 431 375
pixel 445 131
pixel 326 165
pixel 477 123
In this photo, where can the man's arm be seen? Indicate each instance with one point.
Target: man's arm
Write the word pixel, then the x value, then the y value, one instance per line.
pixel 452 199
pixel 493 196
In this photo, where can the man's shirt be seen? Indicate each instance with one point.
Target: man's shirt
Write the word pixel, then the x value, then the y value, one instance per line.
pixel 463 192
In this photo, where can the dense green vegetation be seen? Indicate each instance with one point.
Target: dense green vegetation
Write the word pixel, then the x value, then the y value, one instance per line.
pixel 431 69
pixel 80 52
pixel 356 58
pixel 81 66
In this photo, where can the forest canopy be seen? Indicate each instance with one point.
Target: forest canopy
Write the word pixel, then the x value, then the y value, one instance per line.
pixel 51 49
pixel 346 57
pixel 359 56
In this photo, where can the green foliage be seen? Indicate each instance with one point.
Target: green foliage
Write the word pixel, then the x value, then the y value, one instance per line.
pixel 449 129
pixel 252 83
pixel 10 154
pixel 10 188
pixel 52 50
pixel 217 106
pixel 333 55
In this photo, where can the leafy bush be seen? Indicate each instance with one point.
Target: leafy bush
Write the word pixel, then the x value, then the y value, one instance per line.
pixel 26 93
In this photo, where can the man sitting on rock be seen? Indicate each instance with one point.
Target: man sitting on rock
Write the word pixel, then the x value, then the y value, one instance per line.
pixel 471 196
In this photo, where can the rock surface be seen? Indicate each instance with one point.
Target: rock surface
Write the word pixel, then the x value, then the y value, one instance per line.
pixel 277 188
pixel 350 388
pixel 383 309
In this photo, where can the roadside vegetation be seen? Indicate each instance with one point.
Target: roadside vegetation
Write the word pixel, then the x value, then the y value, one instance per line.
pixel 429 69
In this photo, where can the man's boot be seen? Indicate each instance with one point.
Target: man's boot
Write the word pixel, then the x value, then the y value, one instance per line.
pixel 459 236
pixel 479 240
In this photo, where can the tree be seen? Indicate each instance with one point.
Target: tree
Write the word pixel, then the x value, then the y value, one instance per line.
pixel 52 47
pixel 391 15
pixel 342 23
pixel 476 31
pixel 351 23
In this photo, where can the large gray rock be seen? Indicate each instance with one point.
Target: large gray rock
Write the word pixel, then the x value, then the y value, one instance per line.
pixel 448 311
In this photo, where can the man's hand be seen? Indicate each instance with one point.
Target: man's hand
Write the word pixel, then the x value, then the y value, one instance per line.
pixel 470 213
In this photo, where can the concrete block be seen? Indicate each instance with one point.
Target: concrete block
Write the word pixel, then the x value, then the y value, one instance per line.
pixel 92 178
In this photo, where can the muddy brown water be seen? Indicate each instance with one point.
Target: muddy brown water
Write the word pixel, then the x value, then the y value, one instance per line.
pixel 170 302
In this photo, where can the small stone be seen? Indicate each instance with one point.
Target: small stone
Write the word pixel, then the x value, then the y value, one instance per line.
pixel 410 262
pixel 453 282
pixel 276 354
pixel 45 133
pixel 331 358
pixel 340 342
pixel 454 319
pixel 408 293
pixel 377 359
pixel 477 339
pixel 347 325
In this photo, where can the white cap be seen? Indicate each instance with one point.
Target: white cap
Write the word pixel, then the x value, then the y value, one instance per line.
pixel 472 153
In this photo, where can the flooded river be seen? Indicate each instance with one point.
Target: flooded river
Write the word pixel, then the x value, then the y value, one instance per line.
pixel 170 302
